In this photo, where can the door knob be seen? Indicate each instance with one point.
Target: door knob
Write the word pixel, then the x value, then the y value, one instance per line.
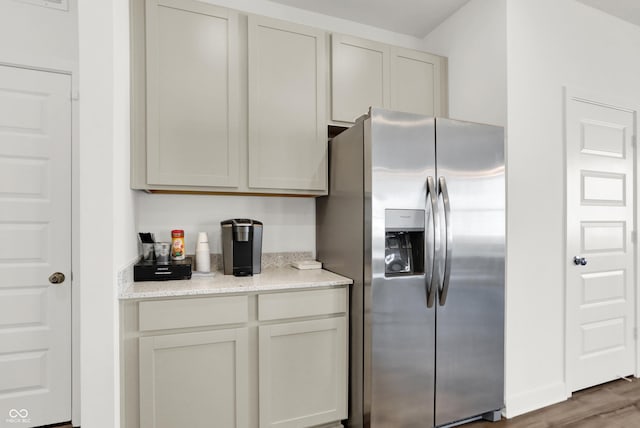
pixel 579 261
pixel 57 278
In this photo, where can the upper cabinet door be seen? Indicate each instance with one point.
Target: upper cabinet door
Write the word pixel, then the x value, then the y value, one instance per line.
pixel 192 94
pixel 287 99
pixel 416 82
pixel 359 77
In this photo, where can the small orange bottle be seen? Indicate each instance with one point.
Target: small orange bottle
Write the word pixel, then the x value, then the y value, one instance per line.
pixel 177 244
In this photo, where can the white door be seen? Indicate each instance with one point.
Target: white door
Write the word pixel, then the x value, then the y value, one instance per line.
pixel 600 225
pixel 35 225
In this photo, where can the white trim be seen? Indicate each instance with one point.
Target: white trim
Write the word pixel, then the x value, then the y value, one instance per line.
pixel 51 4
pixel 618 103
pixel 535 399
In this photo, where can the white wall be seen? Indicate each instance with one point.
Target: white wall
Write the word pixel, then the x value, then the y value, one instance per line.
pixel 474 41
pixel 551 44
pixel 289 223
pixel 106 203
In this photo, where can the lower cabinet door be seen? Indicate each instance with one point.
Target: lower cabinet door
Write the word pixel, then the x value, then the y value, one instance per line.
pixel 303 373
pixel 194 379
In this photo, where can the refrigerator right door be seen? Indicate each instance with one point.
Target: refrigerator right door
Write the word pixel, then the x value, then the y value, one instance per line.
pixel 470 305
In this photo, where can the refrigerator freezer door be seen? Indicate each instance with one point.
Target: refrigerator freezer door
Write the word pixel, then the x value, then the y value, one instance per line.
pixel 399 332
pixel 470 330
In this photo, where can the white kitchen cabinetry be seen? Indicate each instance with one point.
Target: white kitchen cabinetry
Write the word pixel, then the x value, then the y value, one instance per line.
pixel 275 359
pixel 191 94
pixel 369 74
pixel 287 114
pixel 359 77
pixel 302 364
pixel 223 102
pixel 303 368
pixel 416 82
pixel 193 379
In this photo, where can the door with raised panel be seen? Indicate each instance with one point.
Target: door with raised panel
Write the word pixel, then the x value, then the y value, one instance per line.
pixel 195 379
pixel 600 254
pixel 359 77
pixel 303 373
pixel 287 111
pixel 35 224
pixel 416 82
pixel 192 94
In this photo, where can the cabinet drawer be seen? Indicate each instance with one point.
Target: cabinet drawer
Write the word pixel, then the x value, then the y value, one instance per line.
pixel 166 314
pixel 302 304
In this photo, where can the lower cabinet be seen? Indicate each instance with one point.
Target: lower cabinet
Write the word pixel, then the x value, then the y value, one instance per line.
pixel 246 361
pixel 194 379
pixel 303 372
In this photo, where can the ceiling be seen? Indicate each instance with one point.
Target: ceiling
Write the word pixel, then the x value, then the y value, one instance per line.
pixel 413 17
pixel 628 10
pixel 419 17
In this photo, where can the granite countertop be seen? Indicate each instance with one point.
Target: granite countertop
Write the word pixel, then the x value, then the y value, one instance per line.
pixel 272 278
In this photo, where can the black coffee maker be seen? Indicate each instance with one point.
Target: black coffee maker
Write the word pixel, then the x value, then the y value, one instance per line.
pixel 241 246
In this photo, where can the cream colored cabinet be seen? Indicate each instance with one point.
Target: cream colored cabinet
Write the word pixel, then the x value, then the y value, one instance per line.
pixel 416 82
pixel 359 77
pixel 187 377
pixel 224 102
pixel 303 372
pixel 287 114
pixel 191 94
pixel 369 74
pixel 277 359
pixel 193 379
pixel 302 364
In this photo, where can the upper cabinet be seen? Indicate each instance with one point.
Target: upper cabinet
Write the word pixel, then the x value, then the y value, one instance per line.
pixel 287 114
pixel 192 94
pixel 359 77
pixel 228 102
pixel 416 82
pixel 223 102
pixel 368 74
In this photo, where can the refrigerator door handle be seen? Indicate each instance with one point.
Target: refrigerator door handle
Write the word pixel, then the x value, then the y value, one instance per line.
pixel 432 284
pixel 447 225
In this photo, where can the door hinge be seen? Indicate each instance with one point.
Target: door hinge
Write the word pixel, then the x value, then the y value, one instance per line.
pixel 634 236
pixel 634 141
pixel 635 333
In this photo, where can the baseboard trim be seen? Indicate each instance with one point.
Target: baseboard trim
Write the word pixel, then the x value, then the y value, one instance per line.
pixel 535 399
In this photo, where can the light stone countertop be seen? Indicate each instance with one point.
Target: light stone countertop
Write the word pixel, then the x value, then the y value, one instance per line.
pixel 276 278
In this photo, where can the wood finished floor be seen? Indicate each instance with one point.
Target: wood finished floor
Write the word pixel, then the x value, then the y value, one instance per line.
pixel 611 405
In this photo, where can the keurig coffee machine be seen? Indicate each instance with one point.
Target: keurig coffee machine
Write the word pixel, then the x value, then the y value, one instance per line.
pixel 241 246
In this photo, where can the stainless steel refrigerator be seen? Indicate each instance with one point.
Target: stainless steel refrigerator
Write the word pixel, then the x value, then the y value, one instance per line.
pixel 415 216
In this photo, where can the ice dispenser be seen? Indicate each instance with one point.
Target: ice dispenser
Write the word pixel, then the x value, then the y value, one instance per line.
pixel 404 242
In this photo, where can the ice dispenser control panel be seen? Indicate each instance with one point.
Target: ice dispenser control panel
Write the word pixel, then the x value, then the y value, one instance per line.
pixel 404 242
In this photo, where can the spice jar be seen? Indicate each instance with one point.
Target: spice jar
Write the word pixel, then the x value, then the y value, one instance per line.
pixel 177 244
